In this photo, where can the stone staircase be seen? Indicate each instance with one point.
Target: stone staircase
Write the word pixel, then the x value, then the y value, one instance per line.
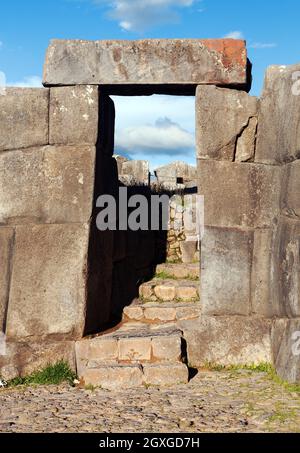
pixel 147 347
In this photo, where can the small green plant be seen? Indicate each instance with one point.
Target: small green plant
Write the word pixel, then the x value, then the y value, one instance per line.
pixel 50 375
pixel 163 275
pixel 214 367
pixel 90 387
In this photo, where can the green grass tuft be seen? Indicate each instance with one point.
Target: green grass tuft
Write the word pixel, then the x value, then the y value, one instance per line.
pixel 50 375
pixel 163 275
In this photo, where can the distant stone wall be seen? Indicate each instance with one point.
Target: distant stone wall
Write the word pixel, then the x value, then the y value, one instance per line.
pixel 183 238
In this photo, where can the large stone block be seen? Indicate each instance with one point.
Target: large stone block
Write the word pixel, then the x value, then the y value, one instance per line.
pixel 288 253
pixel 151 61
pixel 48 285
pixel 134 349
pixel 114 377
pixel 286 349
pixel 226 257
pixel 239 194
pixel 245 146
pixel 167 348
pixel 291 190
pixel 266 275
pixel 6 254
pixel 92 352
pixel 25 358
pixel 74 115
pixel 163 374
pixel 278 138
pixel 52 184
pixel 221 117
pixel 227 340
pixel 24 116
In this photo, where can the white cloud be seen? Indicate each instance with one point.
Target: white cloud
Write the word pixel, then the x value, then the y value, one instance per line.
pixel 138 15
pixel 164 136
pixel 262 45
pixel 235 35
pixel 1 44
pixel 27 82
pixel 140 135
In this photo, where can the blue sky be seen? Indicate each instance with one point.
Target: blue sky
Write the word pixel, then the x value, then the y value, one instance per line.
pixel 271 28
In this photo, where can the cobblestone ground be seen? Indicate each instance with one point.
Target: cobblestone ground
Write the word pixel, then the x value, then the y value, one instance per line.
pixel 212 402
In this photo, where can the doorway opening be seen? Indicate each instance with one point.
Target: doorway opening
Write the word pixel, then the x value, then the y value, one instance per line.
pixel 146 146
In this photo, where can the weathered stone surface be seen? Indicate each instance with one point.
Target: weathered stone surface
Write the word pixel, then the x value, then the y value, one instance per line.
pixel 158 313
pixel 95 351
pixel 227 340
pixel 24 118
pixel 170 173
pixel 288 243
pixel 165 292
pixel 226 256
pixel 120 161
pixel 74 115
pixel 48 292
pixel 221 117
pixel 166 374
pixel 138 170
pixel 6 254
pixel 291 190
pixel 188 312
pixel 25 358
pixel 239 194
pixel 152 61
pixel 286 346
pixel 145 291
pixel 188 250
pixel 114 377
pixel 166 348
pixel 52 184
pixel 135 349
pixel 133 312
pixel 245 148
pixel 278 137
pixel 265 300
pixel 187 292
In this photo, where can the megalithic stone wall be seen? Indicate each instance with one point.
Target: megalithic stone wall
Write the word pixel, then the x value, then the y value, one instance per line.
pixel 278 145
pixel 47 167
pixel 249 174
pixel 55 158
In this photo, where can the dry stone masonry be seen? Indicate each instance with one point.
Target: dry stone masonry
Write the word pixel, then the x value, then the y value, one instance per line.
pixel 63 284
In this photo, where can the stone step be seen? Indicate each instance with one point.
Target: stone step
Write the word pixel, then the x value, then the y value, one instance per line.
pixel 167 290
pixel 179 271
pixel 113 377
pixel 131 356
pixel 160 313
